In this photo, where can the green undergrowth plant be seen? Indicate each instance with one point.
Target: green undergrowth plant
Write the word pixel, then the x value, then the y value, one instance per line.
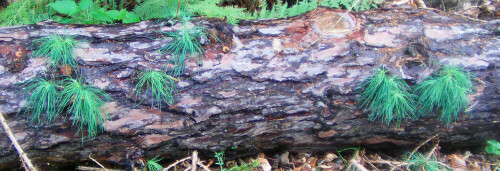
pixel 88 12
pixel 152 164
pixel 185 46
pixel 43 99
pixel 57 49
pixel 83 103
pixel 246 167
pixel 161 9
pixel 493 147
pixel 210 8
pixel 445 92
pixel 356 5
pixel 387 97
pixel 161 86
pixel 25 12
pixel 220 159
pixel 418 161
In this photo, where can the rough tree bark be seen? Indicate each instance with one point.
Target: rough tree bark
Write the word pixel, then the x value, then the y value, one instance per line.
pixel 284 85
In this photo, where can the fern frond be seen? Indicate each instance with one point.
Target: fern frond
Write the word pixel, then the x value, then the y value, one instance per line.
pixel 160 9
pixel 25 12
pixel 210 8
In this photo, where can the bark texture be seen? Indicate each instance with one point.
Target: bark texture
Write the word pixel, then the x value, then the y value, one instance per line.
pixel 283 85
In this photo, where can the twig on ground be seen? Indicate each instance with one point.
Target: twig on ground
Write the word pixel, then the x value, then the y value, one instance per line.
pixel 203 166
pixel 370 163
pixel 95 161
pixel 177 162
pixel 420 145
pixel 86 168
pixel 432 150
pixel 20 150
pixel 357 165
pixel 194 160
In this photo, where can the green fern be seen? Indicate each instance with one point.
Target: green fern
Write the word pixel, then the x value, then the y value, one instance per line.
pixel 160 9
pixel 84 102
pixel 302 7
pixel 57 49
pixel 161 85
pixel 446 92
pixel 185 46
pixel 210 8
pixel 43 100
pixel 387 97
pixel 25 12
pixel 356 5
pixel 279 10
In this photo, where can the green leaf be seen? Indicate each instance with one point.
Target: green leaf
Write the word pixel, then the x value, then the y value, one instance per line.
pixel 117 15
pixel 131 18
pixel 65 7
pixel 493 147
pixel 101 15
pixel 85 4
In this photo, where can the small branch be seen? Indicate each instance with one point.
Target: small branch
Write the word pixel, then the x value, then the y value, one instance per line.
pixel 95 161
pixel 203 166
pixel 177 162
pixel 86 168
pixel 432 151
pixel 420 145
pixel 23 155
pixel 194 160
pixel 420 3
pixel 358 165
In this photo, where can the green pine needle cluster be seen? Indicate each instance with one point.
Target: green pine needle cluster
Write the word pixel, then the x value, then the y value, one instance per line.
pixel 185 46
pixel 161 85
pixel 57 49
pixel 152 164
pixel 387 97
pixel 84 102
pixel 81 101
pixel 419 161
pixel 43 100
pixel 446 92
pixel 25 12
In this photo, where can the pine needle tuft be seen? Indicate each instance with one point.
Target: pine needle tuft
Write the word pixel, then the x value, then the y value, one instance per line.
pixel 387 97
pixel 446 92
pixel 84 102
